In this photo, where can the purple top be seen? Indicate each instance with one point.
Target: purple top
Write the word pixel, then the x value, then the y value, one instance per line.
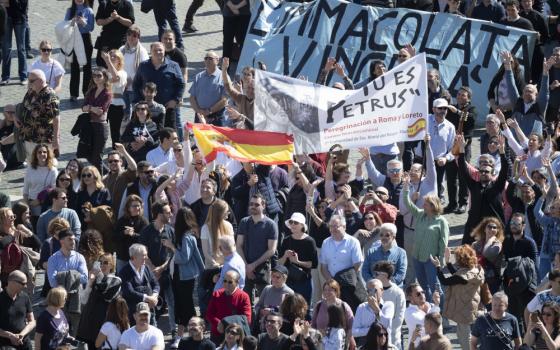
pixel 103 100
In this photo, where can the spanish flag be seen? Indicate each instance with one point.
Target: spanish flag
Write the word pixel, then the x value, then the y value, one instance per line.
pixel 261 147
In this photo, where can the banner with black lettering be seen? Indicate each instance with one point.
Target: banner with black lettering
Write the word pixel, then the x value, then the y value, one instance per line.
pixel 296 39
pixel 392 108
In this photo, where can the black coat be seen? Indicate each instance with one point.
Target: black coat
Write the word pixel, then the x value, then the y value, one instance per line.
pixel 133 290
pixel 485 200
pixel 104 291
pixel 352 290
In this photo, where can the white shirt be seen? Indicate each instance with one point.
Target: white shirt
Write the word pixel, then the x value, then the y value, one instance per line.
pixel 414 316
pixel 113 334
pixel 118 89
pixel 52 69
pixel 365 316
pixel 334 340
pixel 158 156
pixel 142 341
pixel 396 295
pixel 130 63
pixel 340 255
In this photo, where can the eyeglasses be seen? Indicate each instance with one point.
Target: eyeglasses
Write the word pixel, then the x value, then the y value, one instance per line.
pixel 233 332
pixel 12 217
pixel 394 170
pixel 46 49
pixel 379 193
pixel 148 172
pixel 65 179
pixel 518 224
pixel 229 281
pixel 84 175
pixel 492 227
pixel 114 160
pixel 493 143
pixel 105 262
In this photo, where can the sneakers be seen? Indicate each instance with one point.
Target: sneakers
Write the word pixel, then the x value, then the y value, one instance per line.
pixel 4 82
pixel 189 29
pixel 175 343
pixel 23 82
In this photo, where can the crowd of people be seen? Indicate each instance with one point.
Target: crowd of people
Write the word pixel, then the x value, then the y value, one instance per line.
pixel 318 254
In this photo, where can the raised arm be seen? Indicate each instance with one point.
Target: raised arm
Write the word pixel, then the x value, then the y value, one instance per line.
pixel 373 174
pixel 507 60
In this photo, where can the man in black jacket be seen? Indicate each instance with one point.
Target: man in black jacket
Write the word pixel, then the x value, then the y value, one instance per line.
pixel 485 194
pixel 525 204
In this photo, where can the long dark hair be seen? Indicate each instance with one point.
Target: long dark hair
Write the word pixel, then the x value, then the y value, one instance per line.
pixel 185 222
pixel 19 208
pixel 117 313
pixel 337 318
pixel 74 7
pixel 372 337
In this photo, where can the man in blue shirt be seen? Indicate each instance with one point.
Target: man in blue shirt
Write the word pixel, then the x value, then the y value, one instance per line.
pixel 163 72
pixel 386 250
pixel 66 259
pixel 208 96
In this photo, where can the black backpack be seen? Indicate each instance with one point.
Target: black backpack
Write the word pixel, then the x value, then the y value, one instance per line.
pixel 520 275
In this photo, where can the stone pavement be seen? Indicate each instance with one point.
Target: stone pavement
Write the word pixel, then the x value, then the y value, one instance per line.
pixel 43 17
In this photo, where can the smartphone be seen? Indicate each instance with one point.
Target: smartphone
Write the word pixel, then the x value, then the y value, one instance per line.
pixel 96 266
pixel 534 317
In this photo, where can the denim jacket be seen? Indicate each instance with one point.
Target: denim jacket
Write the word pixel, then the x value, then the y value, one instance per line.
pixel 187 258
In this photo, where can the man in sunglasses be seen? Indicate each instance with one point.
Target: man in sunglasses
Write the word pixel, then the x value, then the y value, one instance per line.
pixel 374 309
pixel 418 308
pixel 60 209
pixel 16 314
pixel 196 340
pixel 228 301
pixel 485 193
pixel 144 186
pixel 386 249
pixel 118 177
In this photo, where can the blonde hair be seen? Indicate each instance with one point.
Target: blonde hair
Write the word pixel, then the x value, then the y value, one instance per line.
pixel 216 223
pixel 120 56
pixel 5 216
pixel 57 297
pixel 96 175
pixel 435 203
pixel 56 225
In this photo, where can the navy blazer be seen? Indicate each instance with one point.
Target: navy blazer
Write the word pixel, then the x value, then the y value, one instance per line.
pixel 133 290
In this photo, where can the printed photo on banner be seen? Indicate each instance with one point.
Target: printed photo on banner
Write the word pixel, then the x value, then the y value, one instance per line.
pixel 392 108
pixel 296 39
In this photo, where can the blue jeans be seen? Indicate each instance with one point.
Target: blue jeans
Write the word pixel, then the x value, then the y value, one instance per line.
pixel 545 265
pixel 164 11
pixel 426 274
pixel 179 123
pixel 19 30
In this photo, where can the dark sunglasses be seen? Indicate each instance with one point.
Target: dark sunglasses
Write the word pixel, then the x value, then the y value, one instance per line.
pixel 46 49
pixel 233 332
pixel 493 227
pixel 379 193
pixel 84 175
pixel 149 172
pixel 105 262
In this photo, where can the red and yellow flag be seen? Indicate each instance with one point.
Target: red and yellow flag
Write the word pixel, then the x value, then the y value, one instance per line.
pixel 261 147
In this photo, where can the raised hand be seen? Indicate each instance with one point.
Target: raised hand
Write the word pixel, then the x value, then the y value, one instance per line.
pixel 330 64
pixel 225 63
pixel 339 70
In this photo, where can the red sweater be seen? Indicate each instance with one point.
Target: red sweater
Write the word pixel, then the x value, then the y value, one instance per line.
pixel 222 305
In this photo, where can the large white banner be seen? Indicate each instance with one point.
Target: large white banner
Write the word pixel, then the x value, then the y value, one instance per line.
pixel 392 108
pixel 297 39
